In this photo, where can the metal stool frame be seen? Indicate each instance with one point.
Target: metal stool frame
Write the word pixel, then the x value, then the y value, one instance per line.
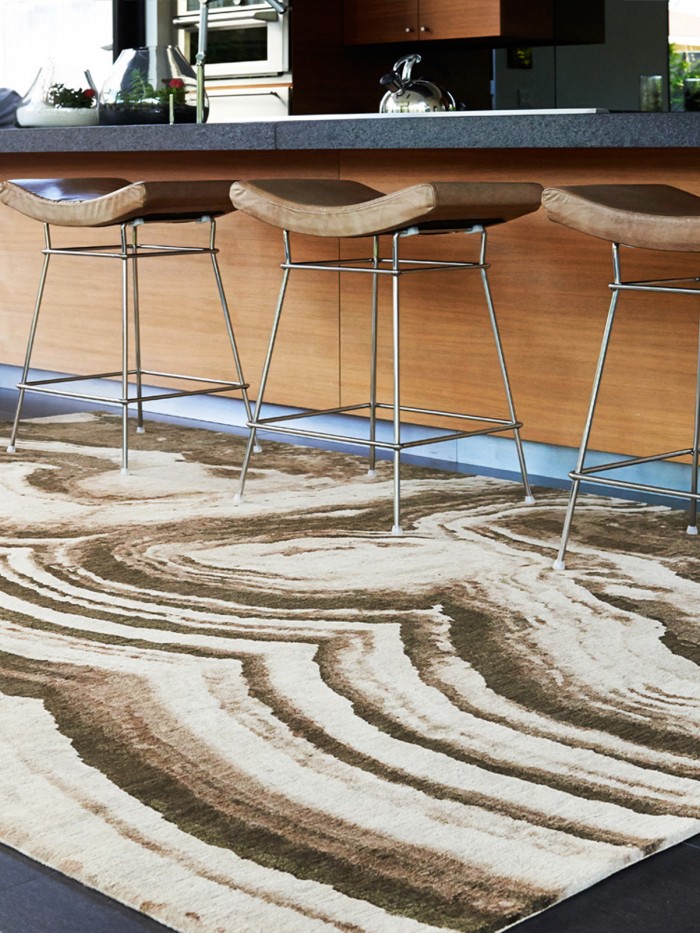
pixel 588 474
pixel 129 253
pixel 397 268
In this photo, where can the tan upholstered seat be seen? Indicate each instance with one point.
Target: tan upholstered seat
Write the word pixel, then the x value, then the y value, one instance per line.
pixel 646 216
pixel 102 202
pixel 326 207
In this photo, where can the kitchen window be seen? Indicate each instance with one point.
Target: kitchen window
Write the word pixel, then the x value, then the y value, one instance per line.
pixel 36 33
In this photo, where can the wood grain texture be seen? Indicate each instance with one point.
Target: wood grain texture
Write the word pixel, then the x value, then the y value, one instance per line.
pixel 550 286
pixel 368 21
pixel 375 21
pixel 459 19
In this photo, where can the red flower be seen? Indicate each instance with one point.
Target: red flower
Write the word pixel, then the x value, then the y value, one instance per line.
pixel 176 83
pixel 88 92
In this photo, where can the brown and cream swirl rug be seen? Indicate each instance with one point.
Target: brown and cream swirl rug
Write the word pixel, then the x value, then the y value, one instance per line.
pixel 278 717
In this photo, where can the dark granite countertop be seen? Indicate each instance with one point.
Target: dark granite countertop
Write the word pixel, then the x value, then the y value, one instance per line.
pixel 477 130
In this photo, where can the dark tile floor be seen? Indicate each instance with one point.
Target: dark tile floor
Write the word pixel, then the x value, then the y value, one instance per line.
pixel 658 895
pixel 35 899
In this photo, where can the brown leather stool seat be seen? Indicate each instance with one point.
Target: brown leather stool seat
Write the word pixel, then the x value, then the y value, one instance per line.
pixel 645 216
pixel 324 207
pixel 105 202
pixel 331 208
pixel 657 217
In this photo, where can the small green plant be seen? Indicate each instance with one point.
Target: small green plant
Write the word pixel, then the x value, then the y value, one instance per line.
pixel 143 92
pixel 681 65
pixel 78 98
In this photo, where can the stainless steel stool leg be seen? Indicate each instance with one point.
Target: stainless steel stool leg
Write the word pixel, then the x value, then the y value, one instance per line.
pixel 396 268
pixel 265 372
pixel 229 326
pixel 692 528
pixel 396 529
pixel 559 562
pixel 129 252
pixel 30 341
pixel 137 329
pixel 125 351
pixel 529 498
pixel 372 469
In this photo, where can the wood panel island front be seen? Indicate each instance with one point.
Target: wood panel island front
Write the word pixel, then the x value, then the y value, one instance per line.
pixel 549 283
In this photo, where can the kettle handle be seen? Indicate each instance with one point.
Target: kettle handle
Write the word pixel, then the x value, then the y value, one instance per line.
pixel 404 66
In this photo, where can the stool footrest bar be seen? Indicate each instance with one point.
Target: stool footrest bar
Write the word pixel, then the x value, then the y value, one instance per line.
pixel 32 383
pixel 640 487
pixel 634 461
pixel 496 429
pixel 142 252
pixel 272 425
pixel 632 287
pixel 47 387
pixel 505 423
pixel 450 414
pixel 417 265
pixel 313 414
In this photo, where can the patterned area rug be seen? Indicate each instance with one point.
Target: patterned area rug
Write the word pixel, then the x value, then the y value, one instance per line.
pixel 278 717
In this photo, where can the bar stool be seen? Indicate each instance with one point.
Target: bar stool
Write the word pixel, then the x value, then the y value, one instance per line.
pixel 105 202
pixel 330 208
pixel 657 217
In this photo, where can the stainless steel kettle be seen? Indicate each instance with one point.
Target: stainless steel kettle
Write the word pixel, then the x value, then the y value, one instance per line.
pixel 413 95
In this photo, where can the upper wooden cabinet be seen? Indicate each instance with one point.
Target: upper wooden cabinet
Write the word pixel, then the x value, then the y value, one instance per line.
pixel 476 19
pixel 368 21
pixel 502 21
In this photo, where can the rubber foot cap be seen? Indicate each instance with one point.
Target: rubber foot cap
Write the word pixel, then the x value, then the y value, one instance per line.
pixel 691 530
pixel 529 500
pixel 125 471
pixel 140 430
pixel 237 499
pixel 11 449
pixel 558 565
pixel 397 531
pixel 257 449
pixel 372 474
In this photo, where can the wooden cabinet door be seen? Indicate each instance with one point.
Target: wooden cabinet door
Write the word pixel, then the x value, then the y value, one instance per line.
pixel 475 19
pixel 458 19
pixel 369 21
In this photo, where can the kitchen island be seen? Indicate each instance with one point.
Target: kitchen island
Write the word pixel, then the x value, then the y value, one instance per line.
pixel 550 284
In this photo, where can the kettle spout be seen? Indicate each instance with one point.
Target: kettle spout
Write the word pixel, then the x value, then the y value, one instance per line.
pixel 391 81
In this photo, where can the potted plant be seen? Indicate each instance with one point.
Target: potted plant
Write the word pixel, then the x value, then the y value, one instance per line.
pixel 149 85
pixel 50 102
pixel 684 79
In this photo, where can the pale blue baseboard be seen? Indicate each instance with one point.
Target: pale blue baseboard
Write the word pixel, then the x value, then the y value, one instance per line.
pixel 547 464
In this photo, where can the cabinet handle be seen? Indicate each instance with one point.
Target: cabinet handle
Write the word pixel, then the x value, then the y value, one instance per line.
pixel 425 28
pixel 408 29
